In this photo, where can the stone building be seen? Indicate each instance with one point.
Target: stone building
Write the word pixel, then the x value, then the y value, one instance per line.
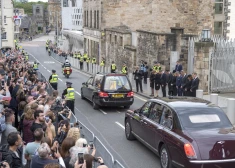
pixel 41 16
pixel 54 10
pixel 150 30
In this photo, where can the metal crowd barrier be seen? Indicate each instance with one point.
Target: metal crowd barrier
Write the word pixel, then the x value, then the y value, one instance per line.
pixel 86 133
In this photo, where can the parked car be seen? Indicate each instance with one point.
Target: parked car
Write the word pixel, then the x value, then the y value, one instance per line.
pixel 185 132
pixel 108 90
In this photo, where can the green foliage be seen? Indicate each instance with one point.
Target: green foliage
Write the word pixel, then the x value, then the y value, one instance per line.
pixel 28 6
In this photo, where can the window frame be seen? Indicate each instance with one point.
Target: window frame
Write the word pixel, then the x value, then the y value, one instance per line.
pixel 152 107
pixel 165 108
pixel 141 112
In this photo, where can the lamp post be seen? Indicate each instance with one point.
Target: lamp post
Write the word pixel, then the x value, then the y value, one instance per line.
pixel 206 35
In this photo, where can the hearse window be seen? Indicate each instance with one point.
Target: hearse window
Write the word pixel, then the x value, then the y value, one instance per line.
pixel 90 81
pixel 145 110
pixel 98 80
pixel 118 83
pixel 167 119
pixel 156 112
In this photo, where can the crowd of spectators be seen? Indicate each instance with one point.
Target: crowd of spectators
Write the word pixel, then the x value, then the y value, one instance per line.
pixel 35 127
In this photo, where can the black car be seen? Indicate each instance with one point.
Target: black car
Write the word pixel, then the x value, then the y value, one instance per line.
pixel 108 90
pixel 185 132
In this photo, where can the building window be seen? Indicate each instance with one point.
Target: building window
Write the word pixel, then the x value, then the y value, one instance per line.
pixel 4 35
pixel 110 38
pixel 84 17
pixel 98 21
pixel 219 4
pixel 73 3
pixel 37 10
pixel 94 19
pixel 65 3
pixel 5 20
pixel 121 41
pixel 90 19
pixel 87 18
pixel 218 27
pixel 115 39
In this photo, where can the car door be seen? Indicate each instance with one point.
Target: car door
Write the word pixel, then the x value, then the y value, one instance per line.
pixel 90 88
pixel 152 128
pixel 169 121
pixel 85 87
pixel 138 120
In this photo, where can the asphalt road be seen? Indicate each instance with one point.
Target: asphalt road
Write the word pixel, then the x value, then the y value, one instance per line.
pixel 108 123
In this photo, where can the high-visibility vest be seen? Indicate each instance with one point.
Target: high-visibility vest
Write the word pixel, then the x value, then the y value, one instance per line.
pixel 113 67
pixel 93 60
pixel 54 78
pixel 102 63
pixel 85 57
pixel 78 56
pixel 81 59
pixel 70 94
pixel 47 45
pixel 35 66
pixel 156 68
pixel 124 70
pixel 88 59
pixel 26 57
pixel 49 49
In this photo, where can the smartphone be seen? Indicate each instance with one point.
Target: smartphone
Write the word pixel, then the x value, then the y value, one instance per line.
pixel 47 119
pixel 91 144
pixel 3 83
pixel 13 75
pixel 96 159
pixel 80 158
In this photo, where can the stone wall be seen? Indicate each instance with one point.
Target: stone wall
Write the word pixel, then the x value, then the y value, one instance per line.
pixel 201 63
pixel 158 15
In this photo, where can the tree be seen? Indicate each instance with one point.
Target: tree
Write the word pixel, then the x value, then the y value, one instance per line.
pixel 28 6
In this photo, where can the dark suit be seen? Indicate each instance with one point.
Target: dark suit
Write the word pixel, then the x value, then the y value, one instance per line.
pixel 138 79
pixel 163 84
pixel 172 87
pixel 187 88
pixel 178 84
pixel 183 83
pixel 194 86
pixel 178 68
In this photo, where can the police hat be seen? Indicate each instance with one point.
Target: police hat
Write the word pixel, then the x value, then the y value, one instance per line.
pixel 53 71
pixel 69 83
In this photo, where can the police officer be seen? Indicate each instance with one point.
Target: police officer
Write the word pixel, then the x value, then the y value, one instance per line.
pixel 102 62
pixel 75 55
pixel 124 69
pixel 113 67
pixel 26 56
pixel 85 56
pixel 87 62
pixel 69 95
pixel 78 55
pixel 93 61
pixel 35 66
pixel 157 67
pixel 53 79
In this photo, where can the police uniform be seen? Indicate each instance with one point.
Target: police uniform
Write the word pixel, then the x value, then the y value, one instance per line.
pixel 69 95
pixel 102 63
pixel 35 66
pixel 81 62
pixel 124 70
pixel 93 60
pixel 53 79
pixel 26 57
pixel 113 68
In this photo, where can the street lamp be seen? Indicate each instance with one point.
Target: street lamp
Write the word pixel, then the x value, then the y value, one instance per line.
pixel 206 35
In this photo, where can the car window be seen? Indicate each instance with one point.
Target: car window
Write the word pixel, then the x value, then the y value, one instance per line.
pixel 203 118
pixel 167 118
pixel 90 81
pixel 145 110
pixel 156 112
pixel 98 80
pixel 116 83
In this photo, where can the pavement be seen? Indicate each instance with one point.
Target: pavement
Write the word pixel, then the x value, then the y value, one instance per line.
pixel 107 123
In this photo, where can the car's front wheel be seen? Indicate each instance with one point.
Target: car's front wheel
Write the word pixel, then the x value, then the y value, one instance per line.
pixel 128 130
pixel 165 158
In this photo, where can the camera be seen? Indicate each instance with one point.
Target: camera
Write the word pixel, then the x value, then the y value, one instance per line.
pixel 80 158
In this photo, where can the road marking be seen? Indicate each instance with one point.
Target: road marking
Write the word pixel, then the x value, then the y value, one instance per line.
pixel 78 93
pixel 103 111
pixel 118 111
pixel 119 124
pixel 140 98
pixel 49 62
pixel 60 79
pixel 48 71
